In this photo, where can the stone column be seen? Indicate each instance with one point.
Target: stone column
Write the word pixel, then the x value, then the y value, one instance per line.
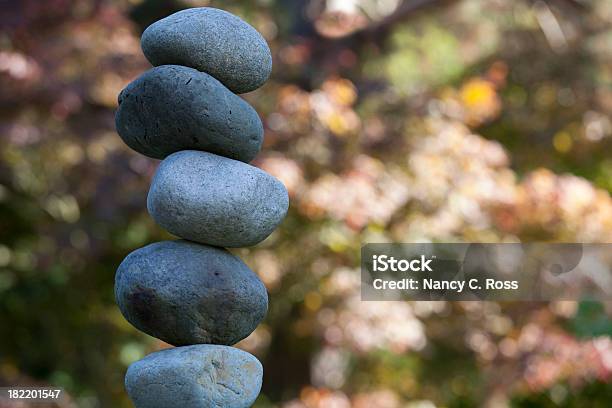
pixel 193 293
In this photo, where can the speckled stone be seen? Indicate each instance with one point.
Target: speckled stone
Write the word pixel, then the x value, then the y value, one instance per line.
pixel 172 108
pixel 202 376
pixel 215 200
pixel 186 293
pixel 212 41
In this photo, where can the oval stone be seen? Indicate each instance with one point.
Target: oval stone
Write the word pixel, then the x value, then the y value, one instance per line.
pixel 200 376
pixel 212 41
pixel 214 200
pixel 172 108
pixel 186 293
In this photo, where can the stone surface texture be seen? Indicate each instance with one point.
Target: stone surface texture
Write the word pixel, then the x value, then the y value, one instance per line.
pixel 212 41
pixel 214 200
pixel 172 108
pixel 186 293
pixel 201 376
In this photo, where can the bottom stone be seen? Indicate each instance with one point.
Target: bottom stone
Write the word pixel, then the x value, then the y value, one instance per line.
pixel 199 376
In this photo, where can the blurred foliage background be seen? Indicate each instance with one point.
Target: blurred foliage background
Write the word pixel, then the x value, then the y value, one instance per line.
pixel 389 120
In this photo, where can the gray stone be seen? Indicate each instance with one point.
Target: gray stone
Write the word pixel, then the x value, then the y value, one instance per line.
pixel 186 293
pixel 172 108
pixel 215 200
pixel 202 376
pixel 212 41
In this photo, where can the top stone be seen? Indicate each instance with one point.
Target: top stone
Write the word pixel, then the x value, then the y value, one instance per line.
pixel 213 41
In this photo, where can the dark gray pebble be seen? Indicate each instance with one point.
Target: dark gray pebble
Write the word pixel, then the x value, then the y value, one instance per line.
pixel 212 41
pixel 172 108
pixel 186 293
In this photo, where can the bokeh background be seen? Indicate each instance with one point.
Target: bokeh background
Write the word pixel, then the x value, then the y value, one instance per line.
pixel 390 120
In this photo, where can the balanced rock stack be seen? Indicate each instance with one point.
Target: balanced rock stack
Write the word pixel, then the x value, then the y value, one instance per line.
pixel 193 293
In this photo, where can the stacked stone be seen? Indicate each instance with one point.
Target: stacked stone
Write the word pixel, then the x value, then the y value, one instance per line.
pixel 193 293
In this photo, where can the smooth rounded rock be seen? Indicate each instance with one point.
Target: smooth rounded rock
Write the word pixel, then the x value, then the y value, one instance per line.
pixel 186 293
pixel 214 200
pixel 201 376
pixel 212 41
pixel 172 108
